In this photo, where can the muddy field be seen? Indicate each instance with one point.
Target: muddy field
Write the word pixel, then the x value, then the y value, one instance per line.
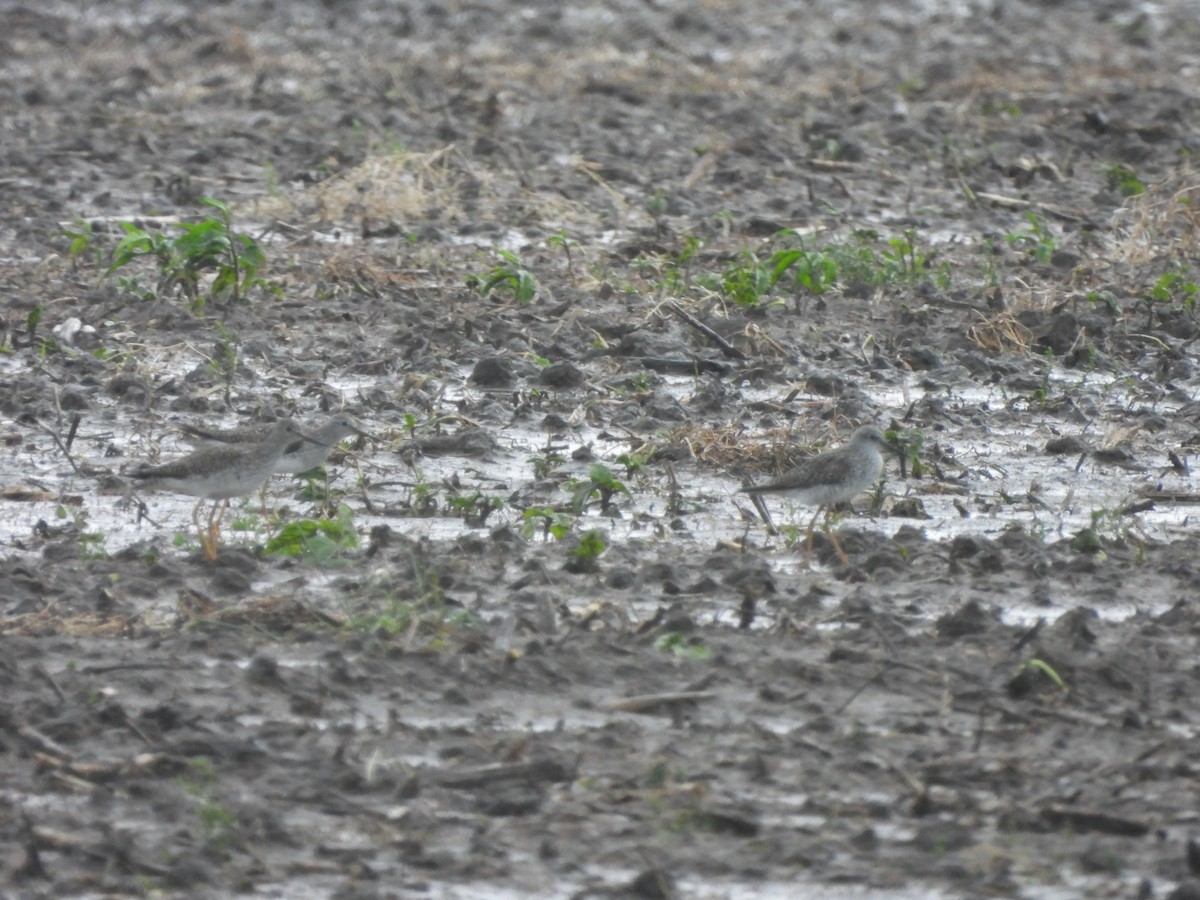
pixel 582 271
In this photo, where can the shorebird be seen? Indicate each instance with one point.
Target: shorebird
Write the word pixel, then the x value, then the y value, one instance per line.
pixel 833 477
pixel 300 455
pixel 222 472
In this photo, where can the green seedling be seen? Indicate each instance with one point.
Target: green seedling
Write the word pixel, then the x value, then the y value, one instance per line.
pixel 544 465
pixel 318 540
pixel 551 523
pixel 1176 290
pixel 600 483
pixel 633 462
pixel 510 274
pixel 1108 298
pixel 561 241
pixel 1038 241
pixel 82 238
pixel 1124 181
pixel 1040 665
pixel 410 603
pixel 996 108
pixel 475 508
pixel 584 557
pixel 220 825
pixel 747 282
pixel 91 542
pixel 684 646
pixel 210 245
pixel 910 442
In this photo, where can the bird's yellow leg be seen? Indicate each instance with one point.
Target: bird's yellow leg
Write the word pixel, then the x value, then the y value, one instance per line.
pixel 208 540
pixel 837 545
pixel 812 523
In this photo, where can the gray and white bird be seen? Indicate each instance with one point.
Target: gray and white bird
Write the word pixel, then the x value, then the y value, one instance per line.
pixel 221 472
pixel 298 456
pixel 836 476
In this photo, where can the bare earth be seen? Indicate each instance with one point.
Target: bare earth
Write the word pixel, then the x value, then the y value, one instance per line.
pixel 1007 195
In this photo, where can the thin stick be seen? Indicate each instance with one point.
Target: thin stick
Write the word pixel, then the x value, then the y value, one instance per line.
pixel 61 445
pixel 727 348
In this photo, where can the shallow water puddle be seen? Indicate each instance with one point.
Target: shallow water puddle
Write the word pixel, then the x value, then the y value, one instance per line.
pixel 1003 478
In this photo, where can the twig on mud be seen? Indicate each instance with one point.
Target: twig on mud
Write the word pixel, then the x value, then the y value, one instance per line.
pixel 879 673
pixel 914 784
pixel 980 728
pixel 649 702
pixel 362 487
pixel 1083 819
pixel 61 446
pixel 535 771
pixel 674 500
pixel 43 743
pixel 40 671
pixel 690 366
pixel 1019 203
pixel 727 348
pixel 131 667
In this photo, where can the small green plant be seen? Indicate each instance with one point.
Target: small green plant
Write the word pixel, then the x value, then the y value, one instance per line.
pixel 544 465
pixel 1040 665
pixel 509 274
pixel 748 281
pixel 1106 524
pixel 220 825
pixel 1175 289
pixel 1108 298
pixel 816 271
pixel 91 542
pixel 684 646
pixel 271 179
pixel 561 241
pixel 475 508
pixel 585 556
pixel 658 205
pixel 315 489
pixel 551 523
pixel 591 545
pixel 910 441
pixel 856 262
pixel 1038 240
pixel 907 264
pixel 676 272
pixel 210 245
pixel 318 540
pixel 411 605
pixel 996 108
pixel 45 344
pixel 224 361
pixel 792 534
pixel 424 500
pixel 82 238
pixel 600 483
pixel 637 384
pixel 634 462
pixel 1124 181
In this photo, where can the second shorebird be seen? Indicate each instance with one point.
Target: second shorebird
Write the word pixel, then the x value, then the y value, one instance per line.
pixel 298 456
pixel 221 472
pixel 836 476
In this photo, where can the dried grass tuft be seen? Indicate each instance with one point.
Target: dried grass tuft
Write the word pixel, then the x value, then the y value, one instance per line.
pixel 391 188
pixel 1000 333
pixel 1163 222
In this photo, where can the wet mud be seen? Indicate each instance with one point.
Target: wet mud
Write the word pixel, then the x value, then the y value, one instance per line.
pixel 581 272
